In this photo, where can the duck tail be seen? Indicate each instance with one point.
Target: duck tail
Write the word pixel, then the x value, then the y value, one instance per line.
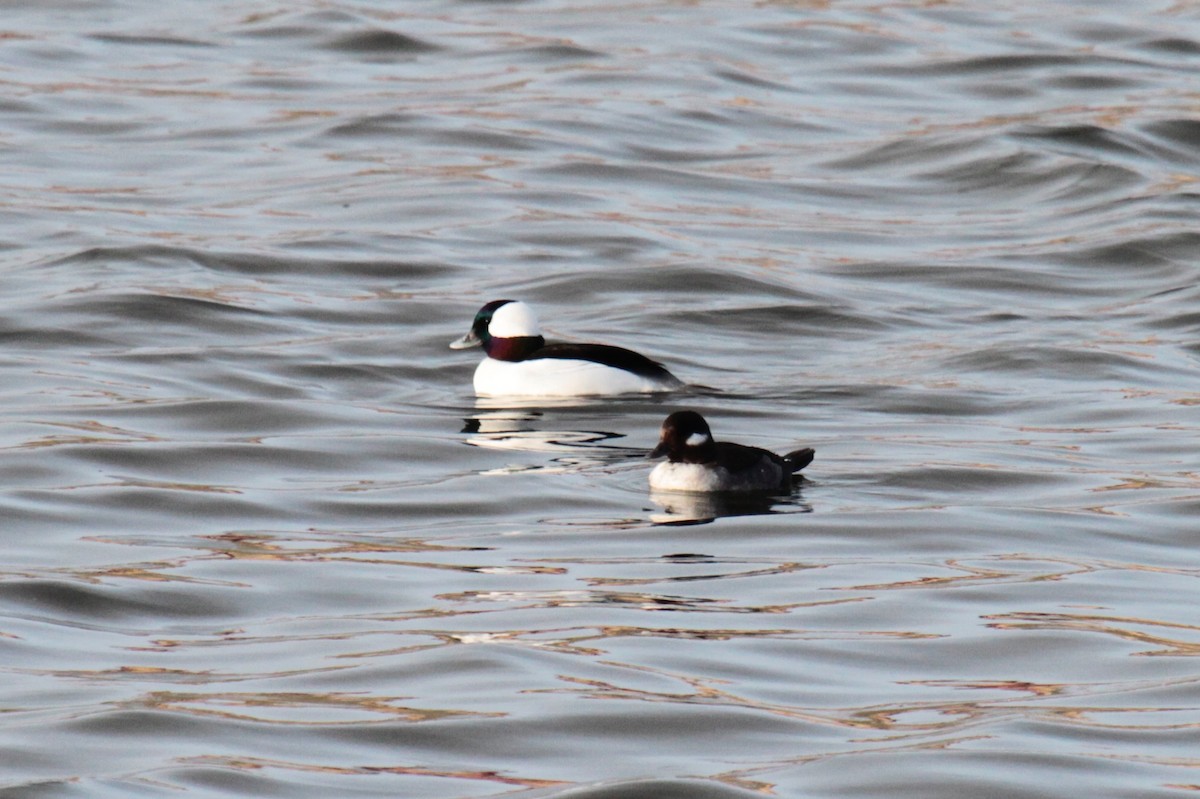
pixel 799 459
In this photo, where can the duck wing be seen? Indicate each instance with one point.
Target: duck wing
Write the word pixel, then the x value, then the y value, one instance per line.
pixel 740 458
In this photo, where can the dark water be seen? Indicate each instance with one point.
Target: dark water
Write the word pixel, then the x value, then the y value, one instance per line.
pixel 260 540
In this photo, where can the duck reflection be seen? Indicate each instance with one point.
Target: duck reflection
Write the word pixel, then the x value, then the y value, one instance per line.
pixel 686 507
pixel 517 429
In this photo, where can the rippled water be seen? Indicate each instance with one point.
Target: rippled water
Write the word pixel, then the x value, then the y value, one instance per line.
pixel 260 539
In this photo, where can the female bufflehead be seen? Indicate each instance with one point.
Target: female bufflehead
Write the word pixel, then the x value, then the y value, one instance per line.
pixel 520 363
pixel 697 463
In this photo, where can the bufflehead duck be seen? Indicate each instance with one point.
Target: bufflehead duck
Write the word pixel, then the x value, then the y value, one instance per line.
pixel 697 463
pixel 520 363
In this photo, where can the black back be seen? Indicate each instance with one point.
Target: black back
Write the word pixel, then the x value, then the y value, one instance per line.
pixel 739 457
pixel 616 357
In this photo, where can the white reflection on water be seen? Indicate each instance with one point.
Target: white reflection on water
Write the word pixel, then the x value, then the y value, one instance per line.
pixel 698 508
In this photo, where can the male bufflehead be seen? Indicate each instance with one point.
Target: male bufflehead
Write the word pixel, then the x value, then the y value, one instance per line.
pixel 520 363
pixel 697 463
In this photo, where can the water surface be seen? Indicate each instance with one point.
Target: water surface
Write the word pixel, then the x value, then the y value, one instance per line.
pixel 260 538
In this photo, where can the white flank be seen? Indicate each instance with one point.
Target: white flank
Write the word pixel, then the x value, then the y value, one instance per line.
pixel 669 476
pixel 557 377
pixel 706 478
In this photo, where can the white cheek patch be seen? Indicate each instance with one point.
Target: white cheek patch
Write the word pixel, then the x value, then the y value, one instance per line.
pixel 696 439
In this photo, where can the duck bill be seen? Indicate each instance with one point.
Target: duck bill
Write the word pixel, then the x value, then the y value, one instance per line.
pixel 658 451
pixel 469 340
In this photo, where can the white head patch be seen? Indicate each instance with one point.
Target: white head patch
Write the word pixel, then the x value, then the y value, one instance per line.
pixel 514 319
pixel 697 439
